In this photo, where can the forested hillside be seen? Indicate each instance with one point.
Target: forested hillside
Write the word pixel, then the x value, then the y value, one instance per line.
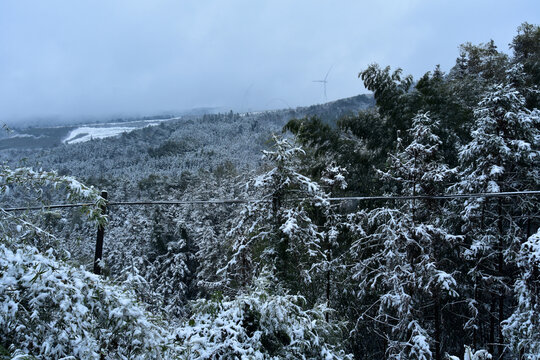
pixel 141 162
pixel 442 264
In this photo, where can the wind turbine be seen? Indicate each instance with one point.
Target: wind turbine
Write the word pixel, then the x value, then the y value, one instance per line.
pixel 324 82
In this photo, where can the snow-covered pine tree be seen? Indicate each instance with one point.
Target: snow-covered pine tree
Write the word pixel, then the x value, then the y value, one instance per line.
pixel 209 224
pixel 527 53
pixel 503 155
pixel 151 252
pixel 522 328
pixel 170 274
pixel 405 268
pixel 277 230
pixel 329 269
pixel 211 256
pixel 127 244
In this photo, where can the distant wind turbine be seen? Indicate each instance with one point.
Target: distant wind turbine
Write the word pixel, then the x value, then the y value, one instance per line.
pixel 324 82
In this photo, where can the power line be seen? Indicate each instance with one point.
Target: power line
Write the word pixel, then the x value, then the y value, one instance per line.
pixel 246 201
pixel 440 197
pixel 46 207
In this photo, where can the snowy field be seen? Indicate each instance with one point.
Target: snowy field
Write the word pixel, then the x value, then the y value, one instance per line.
pixel 87 133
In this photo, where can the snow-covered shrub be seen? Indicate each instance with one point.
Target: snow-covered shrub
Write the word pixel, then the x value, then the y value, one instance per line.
pixel 470 354
pixel 259 324
pixel 49 309
pixel 16 228
pixel 36 180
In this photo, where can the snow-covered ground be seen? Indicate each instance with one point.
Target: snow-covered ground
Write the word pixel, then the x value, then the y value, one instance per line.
pixel 25 136
pixel 87 133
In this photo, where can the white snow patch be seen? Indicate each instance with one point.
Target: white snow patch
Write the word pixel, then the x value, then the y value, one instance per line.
pixel 87 133
pixel 24 136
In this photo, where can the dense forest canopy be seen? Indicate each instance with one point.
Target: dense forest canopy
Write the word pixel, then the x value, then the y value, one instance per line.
pixel 294 274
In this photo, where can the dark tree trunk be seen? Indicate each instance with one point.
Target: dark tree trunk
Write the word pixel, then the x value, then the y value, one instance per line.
pixel 437 335
pixel 491 346
pixel 500 347
pixel 327 292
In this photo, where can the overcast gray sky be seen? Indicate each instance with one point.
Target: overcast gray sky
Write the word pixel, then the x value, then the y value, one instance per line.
pixel 89 58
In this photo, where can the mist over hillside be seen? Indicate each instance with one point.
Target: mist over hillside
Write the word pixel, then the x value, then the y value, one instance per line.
pixel 170 148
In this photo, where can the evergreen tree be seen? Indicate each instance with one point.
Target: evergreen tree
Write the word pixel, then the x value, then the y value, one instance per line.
pixel 503 155
pixel 526 46
pixel 522 328
pixel 405 269
pixel 277 230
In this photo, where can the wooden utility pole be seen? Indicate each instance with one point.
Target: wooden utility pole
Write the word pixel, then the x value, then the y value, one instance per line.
pixel 99 239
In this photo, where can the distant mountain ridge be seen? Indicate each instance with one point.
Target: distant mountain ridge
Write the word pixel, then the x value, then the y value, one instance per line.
pixel 52 136
pixel 331 111
pixel 170 152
